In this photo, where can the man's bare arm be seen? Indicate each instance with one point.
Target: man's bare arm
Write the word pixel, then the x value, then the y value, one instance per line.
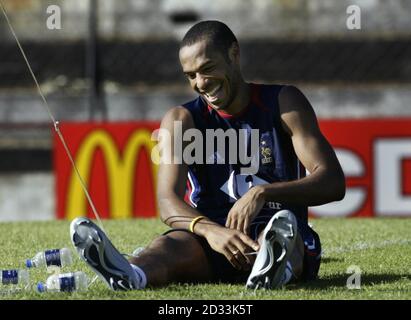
pixel 173 174
pixel 326 181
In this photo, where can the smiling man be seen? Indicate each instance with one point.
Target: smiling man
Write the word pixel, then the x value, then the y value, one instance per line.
pixel 235 228
pixel 212 66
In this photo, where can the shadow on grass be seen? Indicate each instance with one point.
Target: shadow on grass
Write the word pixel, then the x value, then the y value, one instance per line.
pixel 330 259
pixel 340 280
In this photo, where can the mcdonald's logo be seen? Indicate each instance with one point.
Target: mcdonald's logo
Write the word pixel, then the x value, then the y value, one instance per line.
pixel 114 161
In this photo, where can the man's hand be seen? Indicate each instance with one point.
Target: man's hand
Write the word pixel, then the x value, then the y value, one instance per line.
pixel 234 245
pixel 245 210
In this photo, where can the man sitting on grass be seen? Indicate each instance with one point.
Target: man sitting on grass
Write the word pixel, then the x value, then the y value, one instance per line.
pixel 230 216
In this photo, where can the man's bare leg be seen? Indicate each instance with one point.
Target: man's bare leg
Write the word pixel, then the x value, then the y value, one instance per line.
pixel 175 257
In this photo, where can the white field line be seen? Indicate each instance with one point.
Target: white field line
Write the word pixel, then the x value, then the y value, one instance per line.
pixel 360 246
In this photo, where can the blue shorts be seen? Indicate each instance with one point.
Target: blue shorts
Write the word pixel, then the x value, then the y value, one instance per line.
pixel 224 272
pixel 312 253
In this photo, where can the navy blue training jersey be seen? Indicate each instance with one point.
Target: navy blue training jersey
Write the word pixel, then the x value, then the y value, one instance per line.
pixel 213 188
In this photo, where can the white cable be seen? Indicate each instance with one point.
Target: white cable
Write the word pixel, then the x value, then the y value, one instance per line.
pixel 92 281
pixel 55 123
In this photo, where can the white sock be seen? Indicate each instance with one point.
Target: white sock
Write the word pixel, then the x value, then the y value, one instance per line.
pixel 140 275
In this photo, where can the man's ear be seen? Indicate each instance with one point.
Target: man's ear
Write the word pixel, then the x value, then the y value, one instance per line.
pixel 234 53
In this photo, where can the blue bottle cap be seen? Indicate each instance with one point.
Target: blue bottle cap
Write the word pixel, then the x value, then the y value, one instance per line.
pixel 40 287
pixel 28 263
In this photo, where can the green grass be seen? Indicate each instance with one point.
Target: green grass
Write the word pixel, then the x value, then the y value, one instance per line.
pixel 380 247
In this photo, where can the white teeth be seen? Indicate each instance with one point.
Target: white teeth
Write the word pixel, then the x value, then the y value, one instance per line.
pixel 209 94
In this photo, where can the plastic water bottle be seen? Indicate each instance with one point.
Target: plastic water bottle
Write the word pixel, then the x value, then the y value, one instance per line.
pixel 16 277
pixel 64 282
pixel 56 257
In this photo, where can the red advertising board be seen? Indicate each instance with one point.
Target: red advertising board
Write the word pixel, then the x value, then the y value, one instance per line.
pixel 114 160
pixel 376 158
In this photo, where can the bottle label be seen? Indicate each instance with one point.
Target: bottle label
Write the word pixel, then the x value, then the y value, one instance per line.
pixel 10 277
pixel 53 257
pixel 67 282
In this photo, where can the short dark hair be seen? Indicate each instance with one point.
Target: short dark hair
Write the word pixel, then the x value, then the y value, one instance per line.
pixel 215 32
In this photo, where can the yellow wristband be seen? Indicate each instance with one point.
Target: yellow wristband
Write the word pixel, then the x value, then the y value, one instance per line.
pixel 193 223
